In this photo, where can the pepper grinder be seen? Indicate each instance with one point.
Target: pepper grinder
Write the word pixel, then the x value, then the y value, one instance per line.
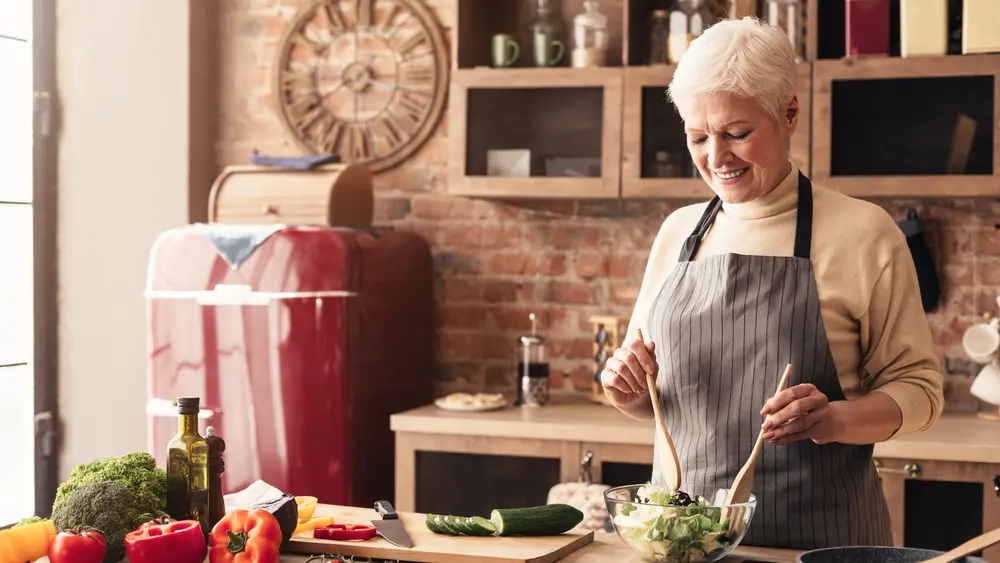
pixel 216 467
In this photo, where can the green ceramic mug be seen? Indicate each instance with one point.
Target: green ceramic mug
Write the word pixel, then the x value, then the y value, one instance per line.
pixel 545 44
pixel 505 50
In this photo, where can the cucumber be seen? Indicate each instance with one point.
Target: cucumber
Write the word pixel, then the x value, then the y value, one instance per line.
pixel 431 525
pixel 545 520
pixel 481 526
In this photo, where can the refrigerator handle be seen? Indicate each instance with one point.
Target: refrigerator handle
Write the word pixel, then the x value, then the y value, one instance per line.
pixel 163 408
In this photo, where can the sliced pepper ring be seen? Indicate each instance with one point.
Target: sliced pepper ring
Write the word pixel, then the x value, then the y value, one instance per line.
pixel 345 532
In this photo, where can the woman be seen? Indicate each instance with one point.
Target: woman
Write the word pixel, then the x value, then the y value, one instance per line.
pixel 775 271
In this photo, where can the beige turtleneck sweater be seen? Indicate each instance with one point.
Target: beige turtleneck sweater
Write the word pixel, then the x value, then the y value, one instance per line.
pixel 867 284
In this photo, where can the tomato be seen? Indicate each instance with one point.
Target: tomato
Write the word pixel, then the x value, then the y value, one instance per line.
pixel 84 545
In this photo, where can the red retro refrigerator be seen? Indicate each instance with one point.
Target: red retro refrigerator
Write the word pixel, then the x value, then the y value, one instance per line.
pixel 300 342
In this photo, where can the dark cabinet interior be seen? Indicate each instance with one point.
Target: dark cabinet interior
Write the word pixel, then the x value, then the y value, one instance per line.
pixel 664 144
pixel 619 474
pixel 941 515
pixel 561 127
pixel 475 484
pixel 912 126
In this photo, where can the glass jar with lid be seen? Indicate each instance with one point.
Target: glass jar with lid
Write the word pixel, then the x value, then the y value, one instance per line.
pixel 590 37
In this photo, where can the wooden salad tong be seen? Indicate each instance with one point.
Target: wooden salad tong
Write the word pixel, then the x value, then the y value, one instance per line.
pixel 739 493
pixel 669 461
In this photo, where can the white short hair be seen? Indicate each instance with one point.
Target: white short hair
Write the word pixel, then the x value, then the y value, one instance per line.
pixel 745 57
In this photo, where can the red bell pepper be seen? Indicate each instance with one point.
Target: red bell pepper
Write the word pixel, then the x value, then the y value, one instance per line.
pixel 79 545
pixel 345 532
pixel 245 537
pixel 166 541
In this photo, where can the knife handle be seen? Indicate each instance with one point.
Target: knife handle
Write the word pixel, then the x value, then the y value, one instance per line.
pixel 385 510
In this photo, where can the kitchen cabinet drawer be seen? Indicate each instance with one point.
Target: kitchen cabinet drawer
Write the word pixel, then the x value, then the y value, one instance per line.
pixel 922 494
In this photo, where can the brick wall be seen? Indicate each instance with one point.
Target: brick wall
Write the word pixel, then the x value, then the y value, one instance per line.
pixel 564 261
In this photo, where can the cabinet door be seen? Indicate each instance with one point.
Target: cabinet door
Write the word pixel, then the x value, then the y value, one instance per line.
pixel 924 494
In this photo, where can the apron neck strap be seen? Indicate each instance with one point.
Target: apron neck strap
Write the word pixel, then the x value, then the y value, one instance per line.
pixel 803 224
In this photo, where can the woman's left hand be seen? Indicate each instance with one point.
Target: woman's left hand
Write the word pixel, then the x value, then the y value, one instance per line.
pixel 798 413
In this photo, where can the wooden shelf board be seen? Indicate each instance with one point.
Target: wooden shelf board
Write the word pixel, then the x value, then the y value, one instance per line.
pixel 664 188
pixel 555 77
pixel 862 68
pixel 914 186
pixel 536 187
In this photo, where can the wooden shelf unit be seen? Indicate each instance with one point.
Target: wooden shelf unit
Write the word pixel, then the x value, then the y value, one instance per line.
pixel 621 113
pixel 827 73
pixel 466 83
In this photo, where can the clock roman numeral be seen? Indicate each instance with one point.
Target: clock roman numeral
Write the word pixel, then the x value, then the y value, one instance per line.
pixel 418 76
pixel 296 80
pixel 393 129
pixel 360 144
pixel 298 106
pixel 384 26
pixel 406 46
pixel 413 106
pixel 334 18
pixel 305 121
pixel 329 134
pixel 364 8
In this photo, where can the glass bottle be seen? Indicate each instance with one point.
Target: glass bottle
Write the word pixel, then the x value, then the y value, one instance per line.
pixel 659 31
pixel 187 468
pixel 590 37
pixel 545 32
pixel 679 34
pixel 786 15
pixel 702 18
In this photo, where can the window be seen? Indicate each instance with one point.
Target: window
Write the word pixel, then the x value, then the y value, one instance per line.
pixel 17 479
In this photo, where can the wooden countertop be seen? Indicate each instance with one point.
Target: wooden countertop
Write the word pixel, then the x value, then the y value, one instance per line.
pixel 571 417
pixel 608 548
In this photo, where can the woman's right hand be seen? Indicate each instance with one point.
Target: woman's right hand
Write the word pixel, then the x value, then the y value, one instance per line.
pixel 624 375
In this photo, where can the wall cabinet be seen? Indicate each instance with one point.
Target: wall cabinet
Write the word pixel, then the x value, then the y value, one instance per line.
pixel 870 127
pixel 941 504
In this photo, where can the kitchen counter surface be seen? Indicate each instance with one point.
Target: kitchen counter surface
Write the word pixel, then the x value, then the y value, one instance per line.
pixel 608 548
pixel 572 417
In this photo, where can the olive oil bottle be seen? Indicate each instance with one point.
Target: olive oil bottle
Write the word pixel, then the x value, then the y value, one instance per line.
pixel 187 468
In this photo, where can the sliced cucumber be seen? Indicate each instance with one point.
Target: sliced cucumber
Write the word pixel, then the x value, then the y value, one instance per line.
pixel 454 523
pixel 481 526
pixel 545 520
pixel 444 526
pixel 431 525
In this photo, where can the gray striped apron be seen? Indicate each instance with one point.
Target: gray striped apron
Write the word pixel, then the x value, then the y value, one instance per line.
pixel 725 327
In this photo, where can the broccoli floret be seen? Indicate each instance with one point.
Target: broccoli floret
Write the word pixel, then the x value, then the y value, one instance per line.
pixel 102 506
pixel 29 520
pixel 137 471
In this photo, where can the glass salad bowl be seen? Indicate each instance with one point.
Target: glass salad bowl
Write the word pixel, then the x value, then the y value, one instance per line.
pixel 681 527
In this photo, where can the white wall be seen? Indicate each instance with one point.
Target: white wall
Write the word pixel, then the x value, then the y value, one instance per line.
pixel 123 73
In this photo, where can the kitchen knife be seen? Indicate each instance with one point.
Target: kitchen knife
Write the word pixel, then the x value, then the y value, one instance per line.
pixel 390 527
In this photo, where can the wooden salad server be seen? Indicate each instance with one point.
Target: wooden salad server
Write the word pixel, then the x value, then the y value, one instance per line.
pixel 669 461
pixel 739 493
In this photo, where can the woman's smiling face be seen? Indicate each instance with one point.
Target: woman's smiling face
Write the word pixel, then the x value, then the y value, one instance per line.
pixel 738 148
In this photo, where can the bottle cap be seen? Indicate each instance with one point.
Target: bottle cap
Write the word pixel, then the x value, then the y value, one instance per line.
pixel 188 405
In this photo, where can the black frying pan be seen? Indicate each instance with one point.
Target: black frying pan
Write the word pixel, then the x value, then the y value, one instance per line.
pixel 875 555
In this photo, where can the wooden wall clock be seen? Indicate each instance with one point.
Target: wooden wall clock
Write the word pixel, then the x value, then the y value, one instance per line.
pixel 365 79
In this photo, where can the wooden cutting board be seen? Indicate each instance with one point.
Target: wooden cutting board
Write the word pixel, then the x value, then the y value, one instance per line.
pixel 429 547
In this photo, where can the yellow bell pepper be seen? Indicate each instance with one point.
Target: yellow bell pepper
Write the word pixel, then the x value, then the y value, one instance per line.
pixel 306 505
pixel 320 522
pixel 26 543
